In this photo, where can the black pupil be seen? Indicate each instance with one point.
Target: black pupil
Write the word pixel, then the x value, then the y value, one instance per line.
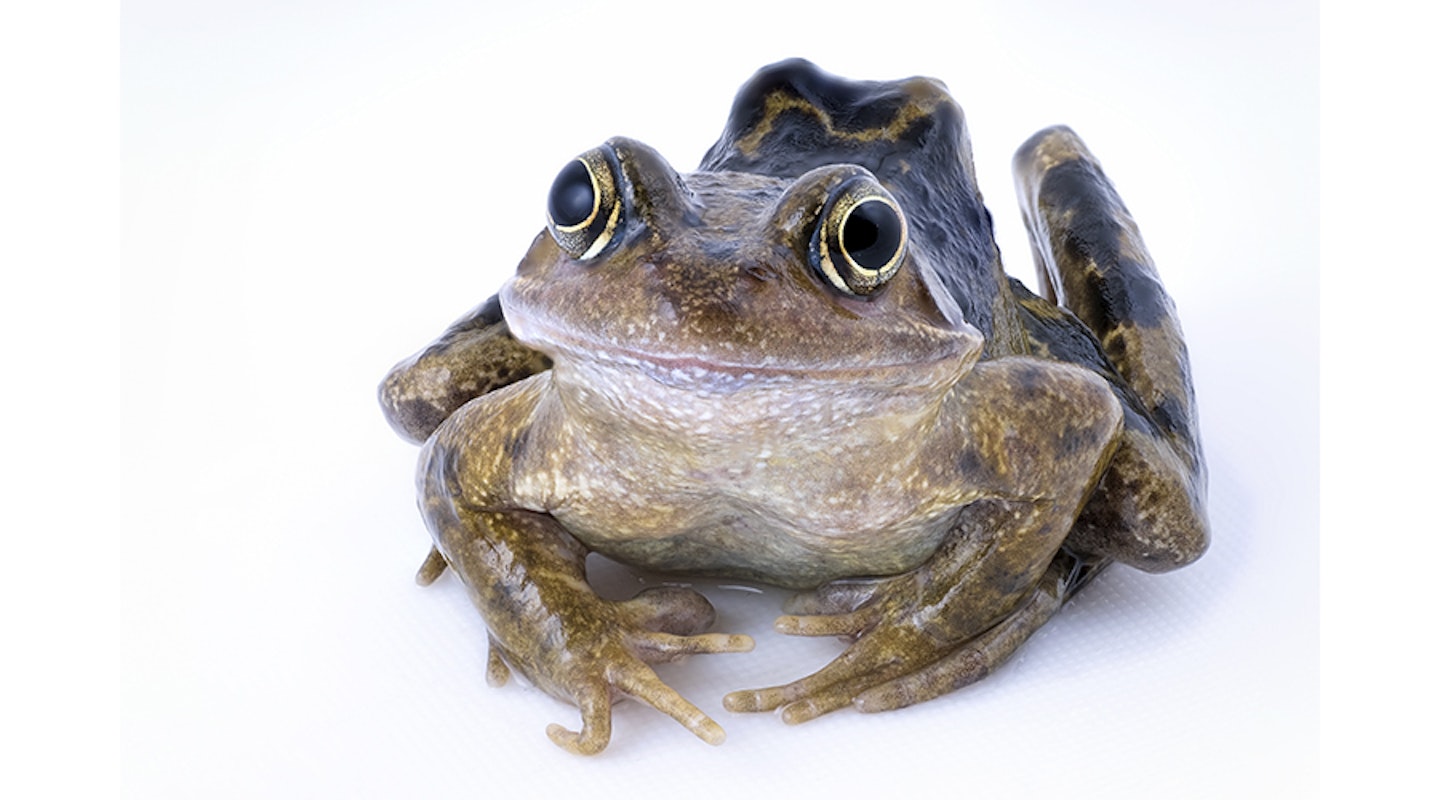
pixel 572 197
pixel 871 235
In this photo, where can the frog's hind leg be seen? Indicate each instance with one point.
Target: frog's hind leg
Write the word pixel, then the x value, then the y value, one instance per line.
pixel 1148 510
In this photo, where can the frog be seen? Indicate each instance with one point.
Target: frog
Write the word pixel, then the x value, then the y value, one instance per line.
pixel 803 365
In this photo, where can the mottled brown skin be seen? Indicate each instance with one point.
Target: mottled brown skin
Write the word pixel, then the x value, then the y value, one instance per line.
pixel 937 456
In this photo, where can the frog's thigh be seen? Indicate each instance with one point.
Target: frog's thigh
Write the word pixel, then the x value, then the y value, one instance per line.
pixel 1146 511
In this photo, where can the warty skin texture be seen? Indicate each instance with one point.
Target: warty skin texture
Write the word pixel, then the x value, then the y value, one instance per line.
pixel 710 374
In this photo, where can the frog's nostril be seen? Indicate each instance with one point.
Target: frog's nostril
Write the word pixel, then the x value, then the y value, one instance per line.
pixel 761 272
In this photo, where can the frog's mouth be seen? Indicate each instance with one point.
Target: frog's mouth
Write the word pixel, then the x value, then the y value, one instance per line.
pixel 571 349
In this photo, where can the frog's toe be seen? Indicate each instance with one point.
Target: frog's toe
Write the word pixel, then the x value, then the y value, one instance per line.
pixel 749 701
pixel 635 679
pixel 954 671
pixel 802 700
pixel 617 661
pixel 966 663
pixel 815 706
pixel 497 672
pixel 656 648
pixel 594 734
pixel 644 685
pixel 871 661
pixel 432 568
pixel 848 625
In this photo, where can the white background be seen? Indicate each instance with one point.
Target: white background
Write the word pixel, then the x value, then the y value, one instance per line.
pixel 211 535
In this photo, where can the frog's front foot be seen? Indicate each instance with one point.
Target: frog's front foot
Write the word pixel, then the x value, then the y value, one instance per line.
pixel 897 658
pixel 596 654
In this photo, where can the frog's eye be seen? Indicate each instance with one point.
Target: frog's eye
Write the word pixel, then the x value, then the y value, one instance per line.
pixel 584 208
pixel 860 241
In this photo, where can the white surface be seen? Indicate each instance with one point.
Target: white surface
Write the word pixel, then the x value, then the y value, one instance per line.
pixel 311 191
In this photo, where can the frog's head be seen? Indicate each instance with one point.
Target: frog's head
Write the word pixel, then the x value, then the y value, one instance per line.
pixel 834 231
pixel 735 275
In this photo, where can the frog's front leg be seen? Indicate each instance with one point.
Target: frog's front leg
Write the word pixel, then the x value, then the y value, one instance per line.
pixel 526 575
pixel 1031 441
pixel 473 356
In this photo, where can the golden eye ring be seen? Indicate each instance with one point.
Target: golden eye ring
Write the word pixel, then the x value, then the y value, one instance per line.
pixel 584 208
pixel 860 241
